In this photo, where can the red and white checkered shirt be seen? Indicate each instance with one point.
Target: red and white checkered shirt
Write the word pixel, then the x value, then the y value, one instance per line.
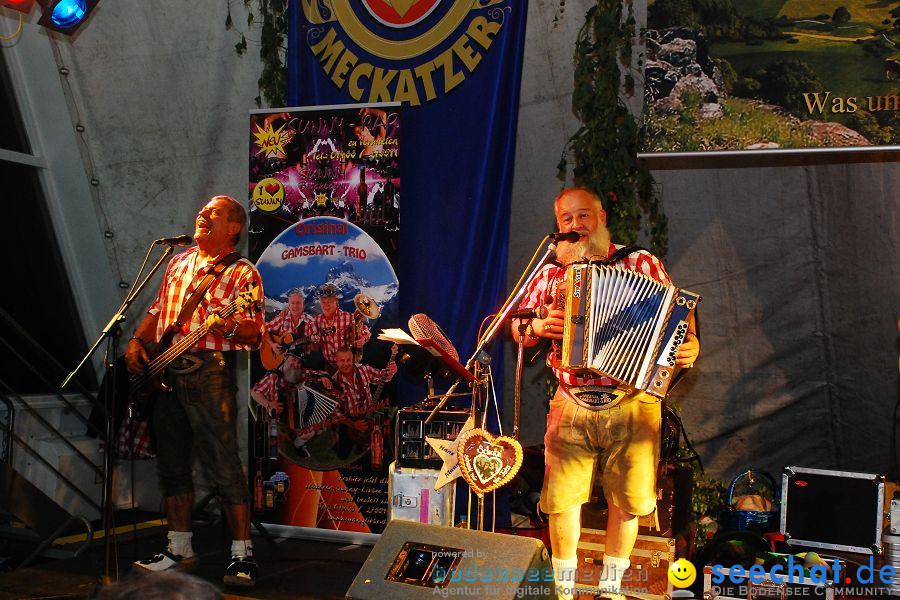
pixel 354 394
pixel 284 323
pixel 273 382
pixel 267 387
pixel 549 277
pixel 184 272
pixel 335 333
pixel 355 390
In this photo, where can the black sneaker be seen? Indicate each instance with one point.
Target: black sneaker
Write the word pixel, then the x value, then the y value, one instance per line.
pixel 166 561
pixel 242 571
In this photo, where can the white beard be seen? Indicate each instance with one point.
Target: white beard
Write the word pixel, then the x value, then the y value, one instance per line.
pixel 595 246
pixel 293 375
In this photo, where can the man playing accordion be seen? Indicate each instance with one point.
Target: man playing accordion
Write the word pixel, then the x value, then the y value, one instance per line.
pixel 622 435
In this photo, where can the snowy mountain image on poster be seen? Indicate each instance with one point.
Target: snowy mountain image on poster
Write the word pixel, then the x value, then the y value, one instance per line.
pixel 327 250
pixel 325 258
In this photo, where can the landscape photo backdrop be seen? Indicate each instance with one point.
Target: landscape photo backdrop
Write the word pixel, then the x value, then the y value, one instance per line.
pixel 771 74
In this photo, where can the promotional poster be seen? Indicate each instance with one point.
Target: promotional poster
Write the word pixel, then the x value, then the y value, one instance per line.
pixel 324 221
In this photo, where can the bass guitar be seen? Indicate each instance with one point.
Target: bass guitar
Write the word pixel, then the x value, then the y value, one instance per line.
pixel 142 387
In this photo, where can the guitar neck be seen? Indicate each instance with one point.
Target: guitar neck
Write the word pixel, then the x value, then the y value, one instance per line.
pixel 376 397
pixel 156 366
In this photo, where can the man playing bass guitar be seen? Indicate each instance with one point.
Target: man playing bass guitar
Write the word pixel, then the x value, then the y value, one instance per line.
pixel 200 416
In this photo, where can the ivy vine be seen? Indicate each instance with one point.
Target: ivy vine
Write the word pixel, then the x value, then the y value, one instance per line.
pixel 272 81
pixel 604 149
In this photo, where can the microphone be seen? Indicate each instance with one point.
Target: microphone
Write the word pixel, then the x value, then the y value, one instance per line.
pixel 571 236
pixel 538 312
pixel 178 240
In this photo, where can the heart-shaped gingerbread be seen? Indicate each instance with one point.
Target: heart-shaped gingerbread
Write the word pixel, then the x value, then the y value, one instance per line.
pixel 487 462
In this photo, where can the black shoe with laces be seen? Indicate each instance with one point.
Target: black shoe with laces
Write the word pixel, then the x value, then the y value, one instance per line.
pixel 242 571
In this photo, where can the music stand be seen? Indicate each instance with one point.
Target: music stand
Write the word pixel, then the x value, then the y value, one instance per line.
pixel 425 351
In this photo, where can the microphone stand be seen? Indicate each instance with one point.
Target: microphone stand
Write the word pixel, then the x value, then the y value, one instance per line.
pixel 111 333
pixel 517 386
pixel 496 325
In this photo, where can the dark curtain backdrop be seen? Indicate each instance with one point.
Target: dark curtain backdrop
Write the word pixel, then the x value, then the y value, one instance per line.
pixel 457 167
pixel 800 271
pixel 798 262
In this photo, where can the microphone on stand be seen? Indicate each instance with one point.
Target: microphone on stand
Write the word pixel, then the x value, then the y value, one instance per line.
pixel 570 236
pixel 538 312
pixel 178 240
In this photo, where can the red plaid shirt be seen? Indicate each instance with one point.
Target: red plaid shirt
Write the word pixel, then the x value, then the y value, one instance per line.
pixel 549 277
pixel 335 333
pixel 356 393
pixel 184 272
pixel 284 323
pixel 272 383
pixel 267 387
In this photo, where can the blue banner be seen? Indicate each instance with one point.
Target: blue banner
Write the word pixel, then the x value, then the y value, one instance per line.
pixel 456 67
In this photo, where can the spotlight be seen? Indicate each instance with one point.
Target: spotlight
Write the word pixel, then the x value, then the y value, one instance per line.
pixel 65 16
pixel 19 5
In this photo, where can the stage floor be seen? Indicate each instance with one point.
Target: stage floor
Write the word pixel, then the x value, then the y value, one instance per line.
pixel 289 567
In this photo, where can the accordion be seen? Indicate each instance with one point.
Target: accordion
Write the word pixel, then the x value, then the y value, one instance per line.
pixel 624 325
pixel 310 407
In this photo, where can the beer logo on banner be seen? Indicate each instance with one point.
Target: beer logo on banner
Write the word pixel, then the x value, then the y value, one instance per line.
pixel 268 195
pixel 411 51
pixel 400 13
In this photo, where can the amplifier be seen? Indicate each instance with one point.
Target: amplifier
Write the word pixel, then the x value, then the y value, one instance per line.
pixel 414 561
pixel 412 450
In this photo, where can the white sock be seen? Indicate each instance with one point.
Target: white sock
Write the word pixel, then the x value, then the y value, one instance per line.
pixel 180 543
pixel 242 548
pixel 564 576
pixel 611 577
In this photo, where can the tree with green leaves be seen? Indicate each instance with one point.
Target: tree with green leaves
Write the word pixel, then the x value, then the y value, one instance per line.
pixel 841 15
pixel 784 83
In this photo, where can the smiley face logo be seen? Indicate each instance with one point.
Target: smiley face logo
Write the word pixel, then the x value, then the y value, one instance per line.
pixel 682 573
pixel 268 195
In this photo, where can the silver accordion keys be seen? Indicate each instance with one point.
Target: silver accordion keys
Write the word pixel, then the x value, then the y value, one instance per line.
pixel 624 325
pixel 312 407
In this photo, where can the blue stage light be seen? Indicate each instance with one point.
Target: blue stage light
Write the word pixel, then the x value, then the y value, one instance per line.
pixel 65 16
pixel 68 13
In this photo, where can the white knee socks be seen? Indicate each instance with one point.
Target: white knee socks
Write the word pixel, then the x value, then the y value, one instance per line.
pixel 241 548
pixel 611 578
pixel 564 576
pixel 180 543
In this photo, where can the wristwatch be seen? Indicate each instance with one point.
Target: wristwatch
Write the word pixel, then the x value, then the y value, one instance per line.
pixel 529 331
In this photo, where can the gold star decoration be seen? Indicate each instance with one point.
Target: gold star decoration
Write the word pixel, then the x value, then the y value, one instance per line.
pixel 446 450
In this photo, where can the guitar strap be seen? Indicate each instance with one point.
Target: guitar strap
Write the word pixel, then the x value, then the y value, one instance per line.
pixel 212 274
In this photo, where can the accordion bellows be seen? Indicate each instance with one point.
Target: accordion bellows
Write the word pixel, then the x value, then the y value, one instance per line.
pixel 624 325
